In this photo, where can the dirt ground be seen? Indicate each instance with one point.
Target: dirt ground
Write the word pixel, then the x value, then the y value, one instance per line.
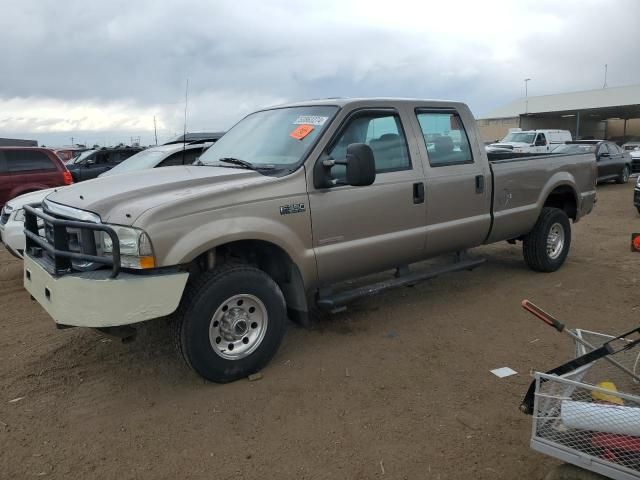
pixel 396 387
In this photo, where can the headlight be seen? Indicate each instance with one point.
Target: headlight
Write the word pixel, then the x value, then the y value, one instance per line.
pixel 19 215
pixel 135 247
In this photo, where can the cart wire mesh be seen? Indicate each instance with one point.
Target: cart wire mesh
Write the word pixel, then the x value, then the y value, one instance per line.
pixel 591 417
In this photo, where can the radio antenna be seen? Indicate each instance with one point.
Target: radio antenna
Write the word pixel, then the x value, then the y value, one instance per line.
pixel 184 137
pixel 155 130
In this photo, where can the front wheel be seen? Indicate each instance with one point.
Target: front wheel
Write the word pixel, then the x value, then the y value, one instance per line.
pixel 546 246
pixel 230 323
pixel 624 175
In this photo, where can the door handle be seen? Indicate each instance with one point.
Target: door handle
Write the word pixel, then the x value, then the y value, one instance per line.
pixel 418 193
pixel 479 183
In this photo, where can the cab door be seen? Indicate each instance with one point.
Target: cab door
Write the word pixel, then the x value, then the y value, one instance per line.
pixel 362 230
pixel 458 183
pixel 541 145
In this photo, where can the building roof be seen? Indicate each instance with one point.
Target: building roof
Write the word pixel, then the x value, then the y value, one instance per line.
pixel 603 98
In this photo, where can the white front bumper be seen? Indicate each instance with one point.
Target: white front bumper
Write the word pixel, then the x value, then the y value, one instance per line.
pixel 92 299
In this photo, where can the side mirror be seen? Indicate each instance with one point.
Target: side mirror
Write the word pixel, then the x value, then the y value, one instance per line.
pixel 360 168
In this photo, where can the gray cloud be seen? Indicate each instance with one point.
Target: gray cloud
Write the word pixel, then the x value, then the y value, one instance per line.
pixel 243 55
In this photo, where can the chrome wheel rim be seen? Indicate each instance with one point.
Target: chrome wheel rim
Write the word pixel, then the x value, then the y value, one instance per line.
pixel 238 326
pixel 555 241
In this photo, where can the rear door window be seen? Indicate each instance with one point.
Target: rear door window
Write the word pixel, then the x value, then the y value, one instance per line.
pixel 28 161
pixel 445 138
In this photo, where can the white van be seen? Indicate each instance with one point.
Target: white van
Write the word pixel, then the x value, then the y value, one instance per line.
pixel 533 141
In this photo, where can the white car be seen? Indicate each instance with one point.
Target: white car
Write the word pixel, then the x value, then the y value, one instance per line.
pixel 12 219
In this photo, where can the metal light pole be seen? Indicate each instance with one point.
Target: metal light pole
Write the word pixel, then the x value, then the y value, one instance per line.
pixel 526 95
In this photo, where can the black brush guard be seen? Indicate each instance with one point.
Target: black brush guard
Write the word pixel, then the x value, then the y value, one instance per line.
pixel 59 251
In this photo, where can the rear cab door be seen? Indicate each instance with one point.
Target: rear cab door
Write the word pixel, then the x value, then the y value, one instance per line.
pixel 458 179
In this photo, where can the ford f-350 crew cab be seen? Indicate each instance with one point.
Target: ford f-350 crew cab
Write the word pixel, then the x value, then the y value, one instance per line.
pixel 290 202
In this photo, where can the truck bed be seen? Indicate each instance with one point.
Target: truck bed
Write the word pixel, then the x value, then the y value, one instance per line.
pixel 522 183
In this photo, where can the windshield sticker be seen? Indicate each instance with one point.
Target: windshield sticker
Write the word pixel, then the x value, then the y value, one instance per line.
pixel 316 120
pixel 302 131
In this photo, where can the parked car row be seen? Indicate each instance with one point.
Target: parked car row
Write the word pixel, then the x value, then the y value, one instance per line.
pixel 171 154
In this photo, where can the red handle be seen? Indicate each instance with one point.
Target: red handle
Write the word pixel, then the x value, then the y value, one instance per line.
pixel 542 315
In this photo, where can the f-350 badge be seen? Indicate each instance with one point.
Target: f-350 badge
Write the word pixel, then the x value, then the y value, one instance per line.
pixel 293 208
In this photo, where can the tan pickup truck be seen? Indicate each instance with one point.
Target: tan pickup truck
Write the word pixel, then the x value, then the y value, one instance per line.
pixel 291 202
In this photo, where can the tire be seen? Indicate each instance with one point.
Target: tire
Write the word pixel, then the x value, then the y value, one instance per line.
pixel 537 254
pixel 567 471
pixel 230 322
pixel 624 175
pixel 638 208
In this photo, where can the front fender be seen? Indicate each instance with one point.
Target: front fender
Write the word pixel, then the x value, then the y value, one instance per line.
pixel 292 233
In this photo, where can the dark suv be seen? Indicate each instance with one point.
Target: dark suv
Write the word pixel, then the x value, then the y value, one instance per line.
pixel 26 169
pixel 92 163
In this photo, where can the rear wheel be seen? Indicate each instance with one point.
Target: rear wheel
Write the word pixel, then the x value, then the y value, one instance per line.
pixel 230 323
pixel 624 175
pixel 546 246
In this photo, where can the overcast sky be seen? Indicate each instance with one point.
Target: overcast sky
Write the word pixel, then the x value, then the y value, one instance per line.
pixel 99 71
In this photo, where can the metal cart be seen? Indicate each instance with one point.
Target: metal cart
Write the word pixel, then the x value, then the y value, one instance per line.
pixel 587 412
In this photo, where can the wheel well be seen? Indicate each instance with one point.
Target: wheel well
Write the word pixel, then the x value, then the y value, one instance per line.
pixel 564 198
pixel 269 258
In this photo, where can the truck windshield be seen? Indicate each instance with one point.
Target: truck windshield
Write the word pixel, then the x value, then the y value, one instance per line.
pixel 271 138
pixel 519 137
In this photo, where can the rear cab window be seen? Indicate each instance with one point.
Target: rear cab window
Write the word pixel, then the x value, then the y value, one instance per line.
pixel 444 137
pixel 19 161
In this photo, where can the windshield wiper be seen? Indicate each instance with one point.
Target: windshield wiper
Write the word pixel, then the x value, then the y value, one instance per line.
pixel 245 164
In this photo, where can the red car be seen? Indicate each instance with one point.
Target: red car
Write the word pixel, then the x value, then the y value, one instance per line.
pixel 26 169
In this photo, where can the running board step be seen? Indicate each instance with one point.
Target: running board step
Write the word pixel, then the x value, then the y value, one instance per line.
pixel 336 301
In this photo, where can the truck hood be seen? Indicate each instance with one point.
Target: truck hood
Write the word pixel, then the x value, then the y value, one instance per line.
pixel 121 199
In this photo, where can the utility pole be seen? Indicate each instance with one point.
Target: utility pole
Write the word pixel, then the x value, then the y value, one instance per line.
pixel 605 76
pixel 155 130
pixel 526 95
